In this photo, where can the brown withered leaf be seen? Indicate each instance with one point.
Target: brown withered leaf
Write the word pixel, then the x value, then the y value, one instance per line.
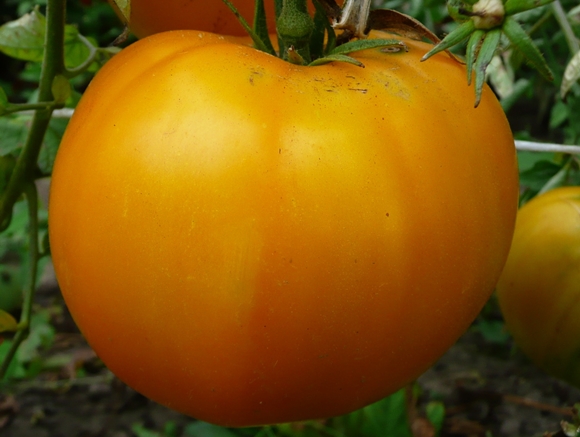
pixel 333 11
pixel 398 23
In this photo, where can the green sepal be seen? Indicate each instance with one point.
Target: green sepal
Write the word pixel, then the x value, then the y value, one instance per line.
pixel 321 25
pixel 472 50
pixel 261 25
pixel 336 58
pixel 365 44
pixel 456 9
pixel 259 44
pixel 522 42
pixel 455 37
pixel 516 6
pixel 571 74
pixel 294 57
pixel 484 57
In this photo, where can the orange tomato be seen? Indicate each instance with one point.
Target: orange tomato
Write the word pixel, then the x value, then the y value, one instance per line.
pixel 249 241
pixel 147 17
pixel 539 290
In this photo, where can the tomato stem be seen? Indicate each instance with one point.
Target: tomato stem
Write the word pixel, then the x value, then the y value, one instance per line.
pixel 31 194
pixel 295 26
pixel 52 65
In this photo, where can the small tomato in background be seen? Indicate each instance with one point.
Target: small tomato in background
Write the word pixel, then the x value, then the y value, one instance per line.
pixel 250 241
pixel 539 289
pixel 147 17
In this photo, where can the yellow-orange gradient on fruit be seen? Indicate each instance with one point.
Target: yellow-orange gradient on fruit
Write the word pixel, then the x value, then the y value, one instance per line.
pixel 250 241
pixel 539 290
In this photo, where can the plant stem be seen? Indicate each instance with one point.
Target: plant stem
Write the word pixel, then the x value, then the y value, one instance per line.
pixel 562 19
pixel 30 286
pixel 294 27
pixel 52 65
pixel 354 18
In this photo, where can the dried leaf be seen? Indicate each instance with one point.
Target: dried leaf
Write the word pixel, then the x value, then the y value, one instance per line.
pixel 571 74
pixel 7 322
pixel 392 21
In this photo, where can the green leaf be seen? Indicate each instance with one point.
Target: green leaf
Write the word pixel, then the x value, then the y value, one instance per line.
pixel 13 132
pixel 387 417
pixel 571 74
pixel 521 86
pixel 24 38
pixel 365 44
pixel 522 42
pixel 558 180
pixel 516 6
pixel 336 58
pixel 261 25
pixel 459 34
pixel 140 431
pixel 484 57
pixel 41 337
pixel 7 322
pixel 203 429
pixel 559 114
pixel 61 89
pixel 537 176
pixel 124 7
pixel 436 414
pixel 52 138
pixel 16 368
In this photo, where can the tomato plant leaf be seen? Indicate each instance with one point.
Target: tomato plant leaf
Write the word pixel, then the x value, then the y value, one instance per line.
pixel 336 58
pixel 522 42
pixel 435 412
pixel 13 132
pixel 387 417
pixel 473 46
pixel 7 322
pixel 458 35
pixel 261 25
pixel 23 38
pixel 204 429
pixel 396 22
pixel 484 57
pixel 365 44
pixel 571 74
pixel 61 89
pixel 124 7
pixel 516 6
pixel 50 145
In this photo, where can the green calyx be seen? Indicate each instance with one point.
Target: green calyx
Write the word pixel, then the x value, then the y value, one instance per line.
pixel 307 40
pixel 295 27
pixel 482 23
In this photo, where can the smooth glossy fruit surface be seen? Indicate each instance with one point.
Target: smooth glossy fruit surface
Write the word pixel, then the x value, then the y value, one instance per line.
pixel 539 290
pixel 250 241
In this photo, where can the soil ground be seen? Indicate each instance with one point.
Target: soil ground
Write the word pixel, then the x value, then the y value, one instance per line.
pixel 487 391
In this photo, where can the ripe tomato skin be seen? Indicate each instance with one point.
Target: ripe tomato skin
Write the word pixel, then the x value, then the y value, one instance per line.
pixel 540 287
pixel 254 242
